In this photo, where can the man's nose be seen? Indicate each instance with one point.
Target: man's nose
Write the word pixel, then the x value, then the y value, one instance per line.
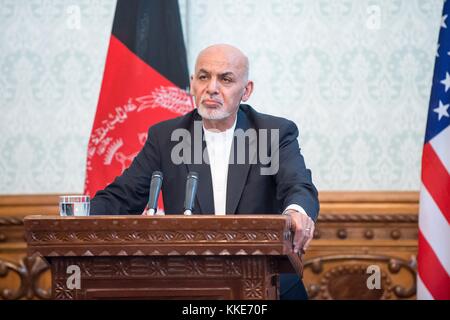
pixel 213 86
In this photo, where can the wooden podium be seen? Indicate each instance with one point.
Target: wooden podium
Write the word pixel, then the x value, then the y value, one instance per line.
pixel 164 257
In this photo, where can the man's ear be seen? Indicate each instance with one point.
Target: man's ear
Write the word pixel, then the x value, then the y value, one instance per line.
pixel 248 89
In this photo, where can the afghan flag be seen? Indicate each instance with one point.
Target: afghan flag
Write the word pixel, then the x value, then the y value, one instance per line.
pixel 144 83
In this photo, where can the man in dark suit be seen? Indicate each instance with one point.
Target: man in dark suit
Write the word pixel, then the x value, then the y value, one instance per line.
pixel 248 162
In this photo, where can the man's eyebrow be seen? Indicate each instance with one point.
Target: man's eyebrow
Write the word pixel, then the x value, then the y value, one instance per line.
pixel 228 73
pixel 225 74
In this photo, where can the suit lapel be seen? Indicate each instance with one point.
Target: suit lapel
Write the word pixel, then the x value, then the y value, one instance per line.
pixel 237 173
pixel 205 197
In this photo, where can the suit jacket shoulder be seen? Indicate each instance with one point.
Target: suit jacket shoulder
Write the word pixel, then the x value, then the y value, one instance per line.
pixel 265 121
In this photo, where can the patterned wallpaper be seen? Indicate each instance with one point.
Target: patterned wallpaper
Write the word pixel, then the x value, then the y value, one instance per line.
pixel 354 75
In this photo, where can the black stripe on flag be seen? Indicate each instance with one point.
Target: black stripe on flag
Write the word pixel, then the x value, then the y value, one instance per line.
pixel 152 30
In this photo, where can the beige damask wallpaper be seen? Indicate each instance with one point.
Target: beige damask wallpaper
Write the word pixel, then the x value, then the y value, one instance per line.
pixel 355 75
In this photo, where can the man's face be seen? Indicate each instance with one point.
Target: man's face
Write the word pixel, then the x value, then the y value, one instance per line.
pixel 220 83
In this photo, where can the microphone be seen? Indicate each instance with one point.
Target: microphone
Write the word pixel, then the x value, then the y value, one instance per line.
pixel 191 191
pixel 155 187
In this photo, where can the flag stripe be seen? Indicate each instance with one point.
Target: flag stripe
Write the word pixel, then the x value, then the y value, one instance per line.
pixel 434 228
pixel 436 179
pixel 422 291
pixel 152 30
pixel 441 145
pixel 433 260
pixel 433 275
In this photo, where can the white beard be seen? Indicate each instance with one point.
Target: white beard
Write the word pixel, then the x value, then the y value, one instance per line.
pixel 212 114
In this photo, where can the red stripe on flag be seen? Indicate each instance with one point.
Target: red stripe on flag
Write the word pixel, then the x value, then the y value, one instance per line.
pixel 133 97
pixel 430 269
pixel 436 179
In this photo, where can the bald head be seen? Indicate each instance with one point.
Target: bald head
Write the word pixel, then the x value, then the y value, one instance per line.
pixel 225 54
pixel 219 84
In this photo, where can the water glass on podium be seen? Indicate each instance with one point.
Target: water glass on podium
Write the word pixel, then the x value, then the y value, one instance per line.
pixel 74 206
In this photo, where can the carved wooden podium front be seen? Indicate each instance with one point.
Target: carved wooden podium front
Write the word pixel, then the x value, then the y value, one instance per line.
pixel 164 257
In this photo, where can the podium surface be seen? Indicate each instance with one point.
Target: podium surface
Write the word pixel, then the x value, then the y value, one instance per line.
pixel 164 257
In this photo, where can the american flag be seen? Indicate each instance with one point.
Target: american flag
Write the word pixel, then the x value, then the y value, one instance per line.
pixel 433 276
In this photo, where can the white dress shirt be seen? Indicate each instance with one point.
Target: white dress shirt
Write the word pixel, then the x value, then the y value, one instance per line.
pixel 219 148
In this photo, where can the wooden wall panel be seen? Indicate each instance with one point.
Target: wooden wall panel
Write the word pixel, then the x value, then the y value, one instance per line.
pixel 357 233
pixel 22 277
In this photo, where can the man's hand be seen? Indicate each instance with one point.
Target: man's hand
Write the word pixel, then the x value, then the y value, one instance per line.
pixel 303 227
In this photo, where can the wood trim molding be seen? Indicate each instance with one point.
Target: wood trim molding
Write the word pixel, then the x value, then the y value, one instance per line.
pixel 335 206
pixel 346 202
pixel 324 196
pixel 28 200
pixel 369 196
pixel 368 202
pixel 22 205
